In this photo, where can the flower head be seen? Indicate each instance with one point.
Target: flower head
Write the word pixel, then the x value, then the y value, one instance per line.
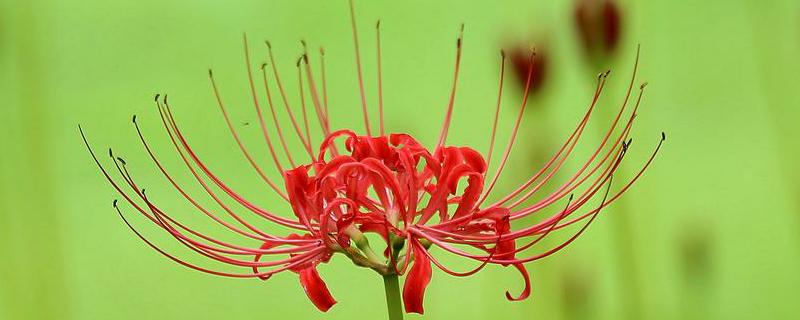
pixel 413 198
pixel 599 24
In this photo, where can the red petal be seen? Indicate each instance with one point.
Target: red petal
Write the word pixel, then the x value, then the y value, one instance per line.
pixel 525 292
pixel 265 246
pixel 417 280
pixel 316 289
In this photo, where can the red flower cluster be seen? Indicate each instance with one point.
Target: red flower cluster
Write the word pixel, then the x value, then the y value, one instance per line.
pixel 389 185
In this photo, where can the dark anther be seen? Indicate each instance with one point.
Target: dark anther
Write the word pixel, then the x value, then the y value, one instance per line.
pixel 110 153
pixel 502 53
pixel 156 97
pixel 165 98
pixel 210 73
pixel 134 118
pixel 263 65
pixel 114 203
pixel 642 86
pixel 121 161
pixel 269 45
pixel 663 136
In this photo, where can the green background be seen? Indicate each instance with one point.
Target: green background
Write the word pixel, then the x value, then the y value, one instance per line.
pixel 710 232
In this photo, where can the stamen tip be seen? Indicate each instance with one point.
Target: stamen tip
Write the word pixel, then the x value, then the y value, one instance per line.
pixel 641 87
pixel 502 53
pixel 378 24
pixel 115 203
pixel 460 35
pixel 210 73
pixel 269 45
pixel 122 161
pixel 134 118
pixel 663 136
pixel 156 97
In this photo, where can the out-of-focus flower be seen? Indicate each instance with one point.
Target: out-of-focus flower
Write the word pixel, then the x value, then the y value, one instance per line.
pixel 412 197
pixel 520 60
pixel 599 25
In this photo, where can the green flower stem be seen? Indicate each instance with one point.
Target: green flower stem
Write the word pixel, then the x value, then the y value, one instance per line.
pixel 393 302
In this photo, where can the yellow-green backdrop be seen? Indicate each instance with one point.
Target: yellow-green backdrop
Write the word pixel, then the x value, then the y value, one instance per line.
pixel 710 232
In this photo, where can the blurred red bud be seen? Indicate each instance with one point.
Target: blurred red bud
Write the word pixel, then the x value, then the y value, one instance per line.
pixel 599 24
pixel 520 58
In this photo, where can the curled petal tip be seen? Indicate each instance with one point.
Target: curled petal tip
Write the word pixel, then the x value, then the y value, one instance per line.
pixel 316 289
pixel 525 292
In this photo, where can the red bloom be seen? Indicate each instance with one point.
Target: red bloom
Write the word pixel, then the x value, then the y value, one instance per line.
pixel 412 197
pixel 599 25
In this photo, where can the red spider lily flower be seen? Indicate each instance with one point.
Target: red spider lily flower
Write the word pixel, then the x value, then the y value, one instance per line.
pixel 599 25
pixel 413 198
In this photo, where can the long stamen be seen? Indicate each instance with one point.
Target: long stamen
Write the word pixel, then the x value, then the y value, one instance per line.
pixel 263 126
pixel 597 151
pixel 299 261
pixel 171 126
pixel 312 88
pixel 449 114
pixel 183 192
pixel 324 84
pixel 302 94
pixel 161 220
pixel 624 188
pixel 497 109
pixel 306 143
pixel 380 75
pixel 566 188
pixel 239 141
pixel 514 131
pixel 566 147
pixel 358 68
pixel 275 117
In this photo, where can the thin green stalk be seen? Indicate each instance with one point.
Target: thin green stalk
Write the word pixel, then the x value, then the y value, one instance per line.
pixel 393 302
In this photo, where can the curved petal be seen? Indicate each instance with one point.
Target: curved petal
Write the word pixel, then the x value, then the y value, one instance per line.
pixel 315 288
pixel 525 292
pixel 417 280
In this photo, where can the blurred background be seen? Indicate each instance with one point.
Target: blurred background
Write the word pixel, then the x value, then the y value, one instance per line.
pixel 712 230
